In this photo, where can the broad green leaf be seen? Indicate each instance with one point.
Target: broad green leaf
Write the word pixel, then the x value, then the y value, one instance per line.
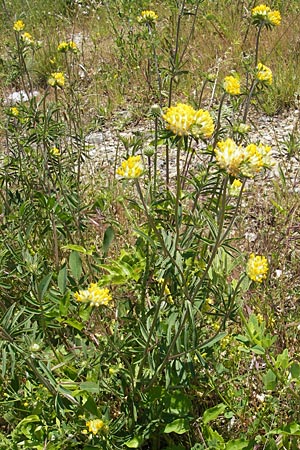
pixel 74 324
pixel 90 386
pixel 258 350
pixel 91 407
pixel 295 370
pixel 270 380
pixel 291 429
pixel 135 442
pixel 43 285
pixel 213 413
pixel 107 239
pixel 214 340
pixel 178 426
pixel 62 280
pixel 77 248
pixel 282 360
pixel 75 264
pixel 236 444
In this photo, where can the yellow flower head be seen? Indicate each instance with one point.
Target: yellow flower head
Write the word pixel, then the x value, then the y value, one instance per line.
pixel 246 161
pixel 63 47
pixel 257 268
pixel 14 111
pixel 94 295
pixel 179 119
pixel 19 25
pixel 147 16
pixel 131 168
pixel 274 18
pixel 27 38
pixel 203 125
pixel 56 79
pixel 96 425
pixel 235 188
pixel 55 151
pixel 183 120
pixel 263 15
pixel 264 74
pixel 230 156
pixel 73 47
pixel 232 85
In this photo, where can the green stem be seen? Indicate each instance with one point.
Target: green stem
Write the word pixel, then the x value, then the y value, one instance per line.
pixel 218 241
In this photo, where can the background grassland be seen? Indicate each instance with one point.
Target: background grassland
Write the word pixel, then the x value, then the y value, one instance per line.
pixel 116 56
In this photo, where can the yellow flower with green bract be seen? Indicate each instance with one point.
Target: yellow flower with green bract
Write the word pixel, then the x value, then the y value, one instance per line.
pixel 242 161
pixel 14 111
pixel 184 120
pixel 147 16
pixel 96 425
pixel 131 168
pixel 56 79
pixel 232 85
pixel 229 156
pixel 264 74
pixel 263 15
pixel 257 268
pixel 55 151
pixel 64 47
pixel 94 295
pixel 235 188
pixel 27 38
pixel 19 25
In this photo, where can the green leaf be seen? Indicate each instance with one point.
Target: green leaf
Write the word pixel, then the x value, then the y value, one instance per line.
pixel 43 285
pixel 214 340
pixel 75 264
pixel 258 350
pixel 282 360
pixel 74 324
pixel 62 280
pixel 213 413
pixel 78 248
pixel 291 429
pixel 91 407
pixel 135 442
pixel 295 370
pixel 107 239
pixel 90 386
pixel 178 426
pixel 270 380
pixel 236 444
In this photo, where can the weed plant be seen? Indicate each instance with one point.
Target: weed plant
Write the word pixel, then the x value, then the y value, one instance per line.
pixel 134 313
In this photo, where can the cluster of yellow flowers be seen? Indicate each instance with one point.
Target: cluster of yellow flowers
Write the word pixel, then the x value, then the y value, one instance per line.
pixel 131 168
pixel 232 85
pixel 264 74
pixel 55 151
pixel 96 425
pixel 94 295
pixel 64 47
pixel 27 38
pixel 184 120
pixel 242 161
pixel 263 15
pixel 56 79
pixel 147 16
pixel 257 268
pixel 19 25
pixel 14 111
